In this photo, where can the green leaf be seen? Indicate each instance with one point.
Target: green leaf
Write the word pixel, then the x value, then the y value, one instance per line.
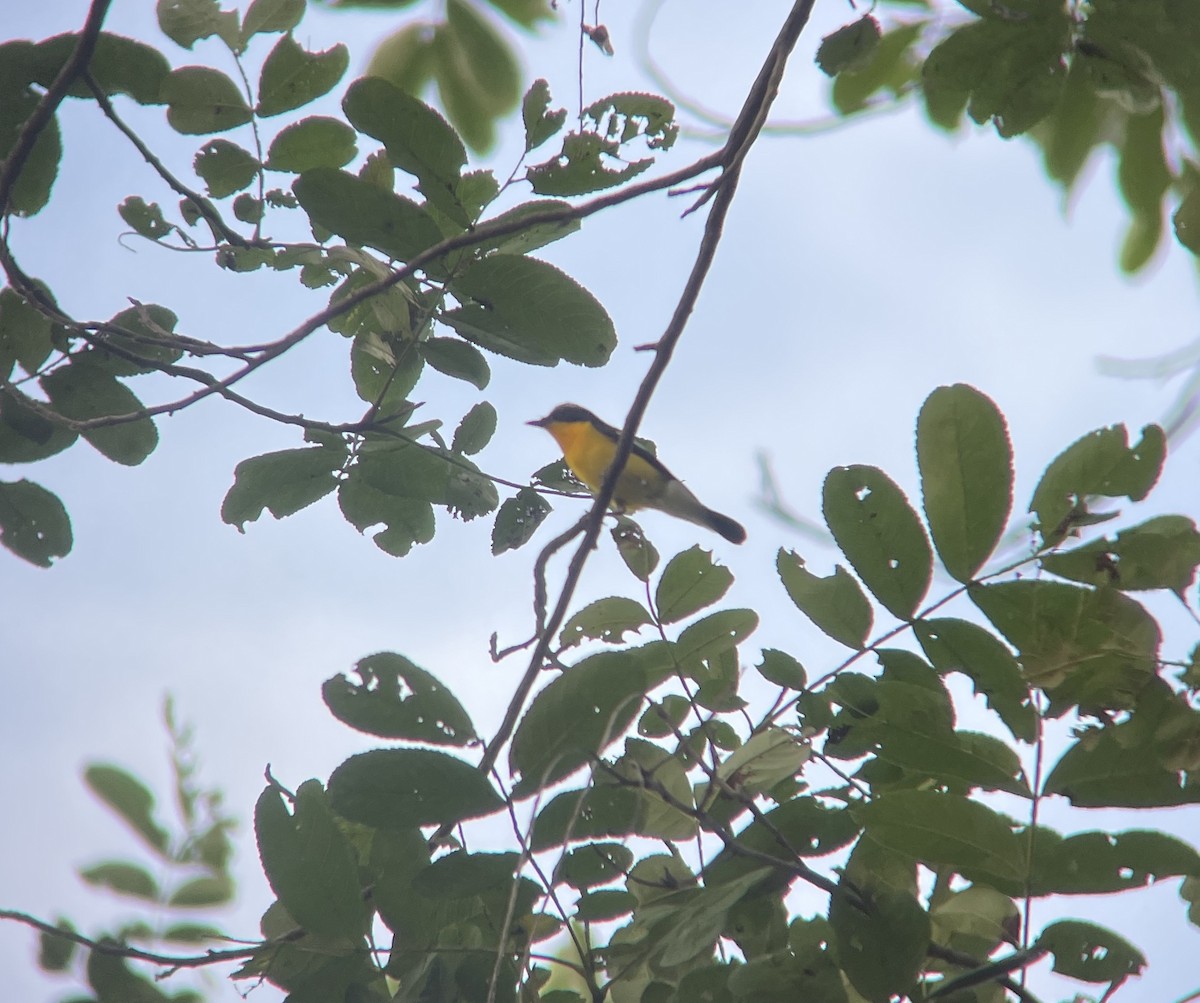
pixel 186 22
pixel 475 430
pixel 83 392
pixel 849 47
pixel 283 482
pixel 405 58
pixel 25 333
pixel 31 190
pixel 362 213
pixel 766 758
pixel 532 235
pixel 316 141
pixel 530 311
pixel 1100 863
pixel 56 953
pixel 1096 648
pixel 138 340
pixel 1113 770
pixel 202 893
pixel 944 829
pixel 34 525
pixel 1101 463
pixel 782 669
pixel 592 813
pixel 891 65
pixel 119 65
pixel 310 863
pixel 411 470
pixel 690 582
pixel 25 435
pixel 517 520
pixel 712 636
pixel 266 16
pixel 124 879
pixel 130 799
pixel 292 77
pixel 606 620
pixel 595 864
pixel 1012 70
pixel 461 875
pixel 1089 952
pixel 406 521
pixel 454 357
pixel 201 100
pixel 481 61
pixel 393 698
pixel 636 551
pixel 578 715
pixel 1161 553
pixel 225 167
pixel 807 828
pixel 881 950
pixel 112 980
pixel 598 906
pixel 965 460
pixel 960 646
pixel 540 123
pixel 145 218
pixel 836 604
pixel 417 139
pixel 880 535
pixel 1186 220
pixel 400 788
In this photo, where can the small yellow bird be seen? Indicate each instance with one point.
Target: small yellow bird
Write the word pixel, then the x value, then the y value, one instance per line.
pixel 588 446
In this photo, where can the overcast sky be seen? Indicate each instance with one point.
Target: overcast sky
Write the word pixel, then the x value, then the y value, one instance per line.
pixel 860 269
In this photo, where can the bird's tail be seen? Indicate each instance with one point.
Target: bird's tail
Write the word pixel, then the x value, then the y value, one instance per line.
pixel 731 529
pixel 679 501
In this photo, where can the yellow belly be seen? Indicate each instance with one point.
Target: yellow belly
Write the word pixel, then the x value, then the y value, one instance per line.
pixel 589 455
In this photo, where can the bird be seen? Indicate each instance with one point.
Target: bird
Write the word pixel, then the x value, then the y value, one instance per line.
pixel 588 446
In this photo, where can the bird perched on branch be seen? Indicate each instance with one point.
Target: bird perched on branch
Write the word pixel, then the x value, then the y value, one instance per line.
pixel 589 445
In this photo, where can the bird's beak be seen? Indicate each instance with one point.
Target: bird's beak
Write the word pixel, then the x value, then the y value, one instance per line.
pixel 539 423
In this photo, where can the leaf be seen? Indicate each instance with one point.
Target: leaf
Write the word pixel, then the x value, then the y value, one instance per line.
pixel 1099 863
pixel 712 636
pixel 595 864
pixel 400 788
pixel 880 950
pixel 454 357
pixel 849 47
pixel 591 813
pixel 393 698
pixel 25 333
pixel 461 875
pixel 225 167
pixel 405 58
pixel 1095 648
pixel 944 829
pixel 145 219
pixel 417 138
pixel 34 525
pixel 310 863
pixel 186 22
pixel 531 235
pixel 412 470
pixel 1161 553
pixel 112 980
pixel 782 669
pixel 201 100
pixel 517 520
pixel 292 77
pixel 266 16
pixel 130 800
pixel 578 715
pixel 605 620
pixel 880 535
pixel 530 311
pixel 965 459
pixel 31 189
pixel 25 435
pixel 1089 952
pixel 540 123
pixel 83 392
pixel 316 141
pixel 1101 463
pixel 124 879
pixel 138 340
pixel 119 65
pixel 836 604
pixel 960 646
pixel 690 582
pixel 475 430
pixel 766 758
pixel 283 482
pixel 1110 770
pixel 407 521
pixel 203 892
pixel 362 213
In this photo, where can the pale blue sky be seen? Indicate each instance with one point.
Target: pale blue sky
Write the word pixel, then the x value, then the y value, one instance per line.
pixel 860 270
